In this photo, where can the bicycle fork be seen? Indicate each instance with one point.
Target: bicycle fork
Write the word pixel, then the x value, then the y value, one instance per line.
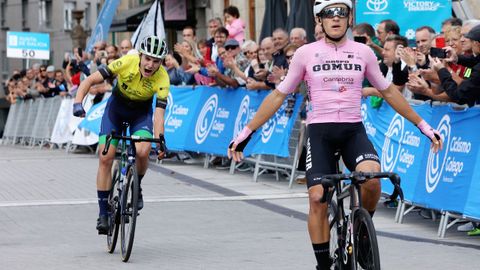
pixel 354 205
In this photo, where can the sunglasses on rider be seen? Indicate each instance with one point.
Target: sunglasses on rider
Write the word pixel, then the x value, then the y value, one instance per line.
pixel 330 13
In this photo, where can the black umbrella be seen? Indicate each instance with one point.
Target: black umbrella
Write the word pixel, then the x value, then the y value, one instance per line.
pixel 275 17
pixel 301 15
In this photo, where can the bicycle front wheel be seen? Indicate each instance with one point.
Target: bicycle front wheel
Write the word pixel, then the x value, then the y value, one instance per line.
pixel 129 212
pixel 365 242
pixel 114 209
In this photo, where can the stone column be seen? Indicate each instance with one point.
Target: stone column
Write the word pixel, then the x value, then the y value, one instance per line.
pixel 79 37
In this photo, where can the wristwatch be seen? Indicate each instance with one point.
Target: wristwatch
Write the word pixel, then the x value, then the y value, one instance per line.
pixel 412 68
pixel 282 78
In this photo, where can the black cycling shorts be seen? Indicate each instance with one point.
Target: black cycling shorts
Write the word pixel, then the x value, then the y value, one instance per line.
pixel 325 139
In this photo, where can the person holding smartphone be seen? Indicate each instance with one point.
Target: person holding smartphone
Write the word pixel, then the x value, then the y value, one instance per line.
pixel 468 91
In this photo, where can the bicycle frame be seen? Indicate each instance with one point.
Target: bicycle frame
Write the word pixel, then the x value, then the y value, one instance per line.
pixel 345 222
pixel 127 190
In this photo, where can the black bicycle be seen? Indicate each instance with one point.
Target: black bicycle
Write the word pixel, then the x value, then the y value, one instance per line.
pixel 353 240
pixel 123 197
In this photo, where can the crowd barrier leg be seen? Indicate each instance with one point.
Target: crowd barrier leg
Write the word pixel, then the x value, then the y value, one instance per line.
pixel 38 122
pixel 18 121
pixel 404 211
pixel 445 223
pixel 231 170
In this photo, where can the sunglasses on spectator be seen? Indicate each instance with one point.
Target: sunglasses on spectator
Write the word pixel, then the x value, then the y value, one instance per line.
pixel 330 13
pixel 289 57
pixel 42 70
pixel 252 52
pixel 228 48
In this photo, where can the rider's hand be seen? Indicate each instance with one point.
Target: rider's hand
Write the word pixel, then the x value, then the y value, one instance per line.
pixel 432 134
pixel 235 149
pixel 161 147
pixel 78 110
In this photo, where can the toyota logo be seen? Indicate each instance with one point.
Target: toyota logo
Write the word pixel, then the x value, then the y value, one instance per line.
pixel 377 5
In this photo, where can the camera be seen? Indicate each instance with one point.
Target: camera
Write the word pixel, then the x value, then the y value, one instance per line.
pixel 437 52
pixel 360 39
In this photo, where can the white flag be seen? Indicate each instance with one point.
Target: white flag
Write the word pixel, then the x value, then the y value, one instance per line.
pixel 151 25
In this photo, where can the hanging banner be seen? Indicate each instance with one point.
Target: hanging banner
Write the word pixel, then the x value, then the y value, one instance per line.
pixel 151 25
pixel 409 14
pixel 104 20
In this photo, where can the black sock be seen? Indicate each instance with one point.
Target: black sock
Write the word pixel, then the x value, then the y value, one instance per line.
pixel 103 202
pixel 371 213
pixel 322 254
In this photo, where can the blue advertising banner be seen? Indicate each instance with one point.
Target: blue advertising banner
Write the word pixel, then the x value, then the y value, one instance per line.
pixel 398 142
pixel 409 14
pixel 104 21
pixel 447 180
pixel 472 206
pixel 447 175
pixel 211 116
pixel 274 136
pixel 181 110
pixel 204 119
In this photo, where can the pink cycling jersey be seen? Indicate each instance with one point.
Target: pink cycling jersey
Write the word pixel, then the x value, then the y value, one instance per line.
pixel 334 76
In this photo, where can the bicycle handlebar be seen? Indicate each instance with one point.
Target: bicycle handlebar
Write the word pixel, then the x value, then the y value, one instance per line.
pixel 330 180
pixel 132 138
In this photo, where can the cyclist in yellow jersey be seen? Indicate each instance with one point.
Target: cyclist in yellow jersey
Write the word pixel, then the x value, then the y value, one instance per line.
pixel 139 77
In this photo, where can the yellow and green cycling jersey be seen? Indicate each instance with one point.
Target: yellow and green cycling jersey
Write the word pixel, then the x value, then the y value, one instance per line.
pixel 130 82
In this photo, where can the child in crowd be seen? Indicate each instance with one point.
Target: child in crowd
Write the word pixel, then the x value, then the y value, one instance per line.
pixel 234 25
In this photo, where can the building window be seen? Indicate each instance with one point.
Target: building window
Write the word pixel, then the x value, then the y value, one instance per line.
pixel 24 13
pixel 45 13
pixel 3 7
pixel 68 21
pixel 88 16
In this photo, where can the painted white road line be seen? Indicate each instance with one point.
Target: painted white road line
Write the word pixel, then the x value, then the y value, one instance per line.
pixel 158 199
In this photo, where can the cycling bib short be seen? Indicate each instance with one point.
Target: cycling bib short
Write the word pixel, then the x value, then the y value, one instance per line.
pixel 116 112
pixel 325 139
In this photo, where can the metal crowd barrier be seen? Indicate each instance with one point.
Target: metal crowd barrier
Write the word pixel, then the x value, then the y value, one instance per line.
pixel 30 122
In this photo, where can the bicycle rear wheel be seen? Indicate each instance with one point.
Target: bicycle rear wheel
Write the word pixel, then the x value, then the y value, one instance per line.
pixel 129 212
pixel 114 209
pixel 365 242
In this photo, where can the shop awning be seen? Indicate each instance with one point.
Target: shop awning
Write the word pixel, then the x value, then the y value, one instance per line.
pixel 128 20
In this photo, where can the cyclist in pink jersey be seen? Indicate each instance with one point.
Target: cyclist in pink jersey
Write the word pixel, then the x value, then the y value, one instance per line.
pixel 333 69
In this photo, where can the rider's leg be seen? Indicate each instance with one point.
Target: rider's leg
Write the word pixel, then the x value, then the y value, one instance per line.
pixel 318 227
pixel 104 174
pixel 320 160
pixel 143 150
pixel 371 190
pixel 104 182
